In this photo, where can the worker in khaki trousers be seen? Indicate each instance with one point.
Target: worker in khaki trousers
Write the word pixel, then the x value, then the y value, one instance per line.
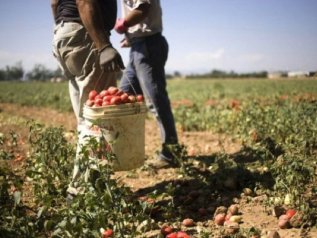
pixel 82 47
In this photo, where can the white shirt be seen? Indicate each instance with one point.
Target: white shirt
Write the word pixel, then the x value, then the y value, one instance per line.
pixel 150 25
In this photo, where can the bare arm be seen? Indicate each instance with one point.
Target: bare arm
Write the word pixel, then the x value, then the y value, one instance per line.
pixel 54 7
pixel 137 15
pixel 91 17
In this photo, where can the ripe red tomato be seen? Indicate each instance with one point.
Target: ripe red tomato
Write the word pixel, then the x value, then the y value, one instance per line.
pixel 172 235
pixel 98 102
pixel 283 222
pixel 119 92
pixel 92 94
pixel 220 219
pixel 98 97
pixel 227 217
pixel 107 98
pixel 124 98
pixel 106 103
pixel 113 90
pixel 115 100
pixel 89 103
pixel 182 234
pixel 103 93
pixel 140 98
pixel 188 222
pixel 165 230
pixel 290 213
pixel 107 233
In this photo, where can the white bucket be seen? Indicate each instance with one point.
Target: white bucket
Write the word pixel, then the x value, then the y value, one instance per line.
pixel 123 127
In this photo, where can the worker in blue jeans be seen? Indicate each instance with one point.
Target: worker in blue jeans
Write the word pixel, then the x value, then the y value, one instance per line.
pixel 145 73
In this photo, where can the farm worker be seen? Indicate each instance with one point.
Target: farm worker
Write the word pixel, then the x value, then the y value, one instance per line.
pixel 145 74
pixel 82 47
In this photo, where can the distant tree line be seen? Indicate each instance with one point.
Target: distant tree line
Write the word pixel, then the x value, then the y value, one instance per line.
pixel 231 74
pixel 218 74
pixel 41 73
pixel 38 73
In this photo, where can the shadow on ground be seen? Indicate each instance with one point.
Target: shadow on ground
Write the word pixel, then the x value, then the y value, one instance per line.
pixel 206 182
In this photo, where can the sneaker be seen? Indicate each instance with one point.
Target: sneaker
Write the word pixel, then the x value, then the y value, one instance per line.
pixel 162 162
pixel 168 157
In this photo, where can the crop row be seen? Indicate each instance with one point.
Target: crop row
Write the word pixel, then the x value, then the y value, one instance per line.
pixel 274 120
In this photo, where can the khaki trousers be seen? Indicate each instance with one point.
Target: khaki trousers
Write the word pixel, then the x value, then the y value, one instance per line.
pixel 79 61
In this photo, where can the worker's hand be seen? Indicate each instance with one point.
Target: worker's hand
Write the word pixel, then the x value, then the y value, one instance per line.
pixel 110 60
pixel 121 26
pixel 124 43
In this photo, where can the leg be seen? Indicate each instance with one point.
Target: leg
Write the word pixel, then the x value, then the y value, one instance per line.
pixel 149 59
pixel 74 96
pixel 79 61
pixel 129 82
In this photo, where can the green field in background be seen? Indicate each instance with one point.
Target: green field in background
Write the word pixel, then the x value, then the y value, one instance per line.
pixel 55 95
pixel 239 88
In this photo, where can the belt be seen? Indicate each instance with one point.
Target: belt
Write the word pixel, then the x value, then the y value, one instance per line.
pixel 62 21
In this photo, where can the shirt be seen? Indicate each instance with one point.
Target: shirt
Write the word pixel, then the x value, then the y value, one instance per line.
pixel 67 11
pixel 151 24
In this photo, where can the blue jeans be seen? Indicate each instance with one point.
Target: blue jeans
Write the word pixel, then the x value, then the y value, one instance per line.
pixel 145 74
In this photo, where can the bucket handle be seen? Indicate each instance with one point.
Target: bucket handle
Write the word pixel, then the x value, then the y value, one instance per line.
pixel 133 89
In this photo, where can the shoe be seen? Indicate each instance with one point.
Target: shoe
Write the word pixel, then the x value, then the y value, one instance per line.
pixel 162 162
pixel 168 158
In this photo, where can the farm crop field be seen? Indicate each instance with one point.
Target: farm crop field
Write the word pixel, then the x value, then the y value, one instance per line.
pixel 247 166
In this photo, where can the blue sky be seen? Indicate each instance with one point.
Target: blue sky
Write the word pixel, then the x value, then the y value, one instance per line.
pixel 239 35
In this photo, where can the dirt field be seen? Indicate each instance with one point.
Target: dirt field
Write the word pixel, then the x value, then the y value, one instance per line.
pixel 197 143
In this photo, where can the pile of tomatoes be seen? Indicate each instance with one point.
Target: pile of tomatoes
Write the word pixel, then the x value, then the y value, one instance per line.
pixel 111 96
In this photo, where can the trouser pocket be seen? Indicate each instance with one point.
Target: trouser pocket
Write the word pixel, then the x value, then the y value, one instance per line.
pixel 73 49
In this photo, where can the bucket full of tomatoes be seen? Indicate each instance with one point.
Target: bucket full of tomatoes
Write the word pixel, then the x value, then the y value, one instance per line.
pixel 120 119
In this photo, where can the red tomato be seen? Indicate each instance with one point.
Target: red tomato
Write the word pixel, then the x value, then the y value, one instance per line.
pixel 105 103
pixel 182 234
pixel 98 102
pixel 107 233
pixel 188 222
pixel 172 235
pixel 290 213
pixel 107 98
pixel 119 92
pixel 165 230
pixel 115 100
pixel 92 94
pixel 124 98
pixel 227 217
pixel 98 97
pixel 139 98
pixel 103 93
pixel 132 98
pixel 89 103
pixel 113 90
pixel 220 219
